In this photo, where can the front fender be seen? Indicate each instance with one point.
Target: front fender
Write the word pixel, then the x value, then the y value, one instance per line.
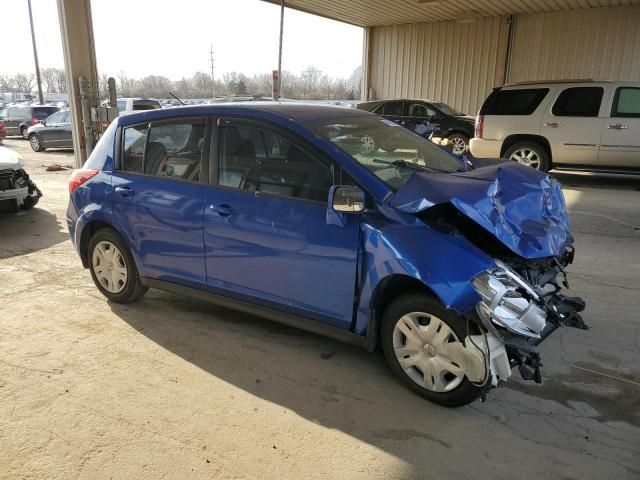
pixel 443 263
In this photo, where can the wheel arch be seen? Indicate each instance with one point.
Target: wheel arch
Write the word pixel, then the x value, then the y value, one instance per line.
pixel 511 140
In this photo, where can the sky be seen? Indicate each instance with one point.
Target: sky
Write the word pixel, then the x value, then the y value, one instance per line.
pixel 173 38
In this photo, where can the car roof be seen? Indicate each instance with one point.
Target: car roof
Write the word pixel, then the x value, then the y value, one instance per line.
pixel 287 110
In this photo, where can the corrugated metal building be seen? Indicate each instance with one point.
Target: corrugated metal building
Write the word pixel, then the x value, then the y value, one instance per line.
pixel 456 51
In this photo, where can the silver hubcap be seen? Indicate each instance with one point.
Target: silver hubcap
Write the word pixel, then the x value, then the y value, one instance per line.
pixel 458 146
pixel 109 267
pixel 428 350
pixel 526 156
pixel 367 144
pixel 35 143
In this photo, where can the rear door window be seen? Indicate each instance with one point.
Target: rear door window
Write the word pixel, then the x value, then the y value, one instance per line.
pixel 513 102
pixel 394 109
pixel 174 150
pixel 578 102
pixel 626 102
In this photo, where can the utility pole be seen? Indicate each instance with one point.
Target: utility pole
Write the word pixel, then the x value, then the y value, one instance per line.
pixel 213 80
pixel 280 49
pixel 35 54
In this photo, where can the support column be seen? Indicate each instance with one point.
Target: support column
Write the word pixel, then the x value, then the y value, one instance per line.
pixel 80 61
pixel 366 64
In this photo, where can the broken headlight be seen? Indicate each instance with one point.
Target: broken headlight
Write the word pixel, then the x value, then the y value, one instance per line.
pixel 508 301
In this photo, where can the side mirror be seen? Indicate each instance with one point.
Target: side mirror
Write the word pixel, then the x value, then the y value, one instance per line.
pixel 346 199
pixel 43 122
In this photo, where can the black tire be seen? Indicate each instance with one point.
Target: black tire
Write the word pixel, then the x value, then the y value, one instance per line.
pixel 544 163
pixel 458 136
pixel 466 392
pixel 133 288
pixel 35 139
pixel 23 132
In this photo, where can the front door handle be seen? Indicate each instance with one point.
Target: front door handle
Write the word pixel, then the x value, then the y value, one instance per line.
pixel 125 191
pixel 617 126
pixel 553 124
pixel 223 210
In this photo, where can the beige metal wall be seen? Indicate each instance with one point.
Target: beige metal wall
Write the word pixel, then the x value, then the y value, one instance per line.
pixel 455 63
pixel 599 43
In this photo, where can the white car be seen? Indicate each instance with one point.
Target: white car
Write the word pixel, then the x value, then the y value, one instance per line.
pixel 586 125
pixel 17 191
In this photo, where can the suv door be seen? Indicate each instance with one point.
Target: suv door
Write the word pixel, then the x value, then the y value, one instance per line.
pixel 573 125
pixel 50 134
pixel 158 197
pixel 620 146
pixel 266 232
pixel 15 116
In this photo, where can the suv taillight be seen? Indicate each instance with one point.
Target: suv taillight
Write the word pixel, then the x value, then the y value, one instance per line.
pixel 34 121
pixel 80 176
pixel 479 130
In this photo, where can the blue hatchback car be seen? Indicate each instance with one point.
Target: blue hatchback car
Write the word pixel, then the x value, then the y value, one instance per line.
pixel 274 210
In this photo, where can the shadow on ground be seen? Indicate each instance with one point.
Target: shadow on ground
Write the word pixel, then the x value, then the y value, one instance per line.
pixel 27 231
pixel 345 388
pixel 609 181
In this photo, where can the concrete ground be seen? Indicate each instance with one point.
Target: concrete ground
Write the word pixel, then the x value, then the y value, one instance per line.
pixel 170 387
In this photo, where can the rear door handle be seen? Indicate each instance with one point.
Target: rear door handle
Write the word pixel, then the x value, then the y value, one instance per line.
pixel 125 191
pixel 223 210
pixel 553 124
pixel 617 126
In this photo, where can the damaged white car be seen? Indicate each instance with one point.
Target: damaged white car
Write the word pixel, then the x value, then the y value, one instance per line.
pixel 17 191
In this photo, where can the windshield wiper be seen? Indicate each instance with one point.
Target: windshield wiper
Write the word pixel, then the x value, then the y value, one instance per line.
pixel 404 163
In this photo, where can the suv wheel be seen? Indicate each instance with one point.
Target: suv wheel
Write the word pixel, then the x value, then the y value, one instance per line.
pixel 23 132
pixel 530 154
pixel 112 267
pixel 36 144
pixel 418 336
pixel 458 143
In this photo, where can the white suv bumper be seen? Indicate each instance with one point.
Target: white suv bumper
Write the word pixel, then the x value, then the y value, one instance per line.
pixel 483 148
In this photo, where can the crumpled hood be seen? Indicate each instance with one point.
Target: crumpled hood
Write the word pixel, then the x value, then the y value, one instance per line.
pixel 10 159
pixel 521 207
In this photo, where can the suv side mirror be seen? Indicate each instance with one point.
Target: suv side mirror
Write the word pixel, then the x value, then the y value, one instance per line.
pixel 346 199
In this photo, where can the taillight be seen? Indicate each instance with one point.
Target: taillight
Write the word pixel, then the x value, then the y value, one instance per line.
pixel 80 176
pixel 34 121
pixel 479 130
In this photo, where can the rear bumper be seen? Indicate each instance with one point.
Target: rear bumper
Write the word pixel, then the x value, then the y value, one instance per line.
pixel 483 148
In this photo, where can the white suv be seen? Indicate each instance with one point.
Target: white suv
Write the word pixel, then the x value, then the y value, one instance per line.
pixel 586 124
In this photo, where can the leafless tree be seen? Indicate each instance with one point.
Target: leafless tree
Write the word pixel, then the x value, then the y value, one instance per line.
pixel 61 80
pixel 24 81
pixel 49 78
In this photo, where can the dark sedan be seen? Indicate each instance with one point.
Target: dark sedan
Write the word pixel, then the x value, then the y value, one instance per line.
pixel 54 132
pixel 427 118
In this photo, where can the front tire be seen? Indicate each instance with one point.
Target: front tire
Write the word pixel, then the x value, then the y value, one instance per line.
pixel 530 154
pixel 36 143
pixel 112 267
pixel 458 143
pixel 415 333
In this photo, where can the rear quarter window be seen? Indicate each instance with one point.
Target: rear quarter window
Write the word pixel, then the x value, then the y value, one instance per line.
pixel 513 102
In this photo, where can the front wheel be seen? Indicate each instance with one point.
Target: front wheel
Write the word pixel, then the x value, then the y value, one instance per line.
pixel 529 154
pixel 112 267
pixel 458 143
pixel 421 341
pixel 36 143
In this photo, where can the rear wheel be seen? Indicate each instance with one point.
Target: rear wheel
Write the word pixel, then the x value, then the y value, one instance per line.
pixel 36 144
pixel 420 339
pixel 23 132
pixel 112 267
pixel 530 154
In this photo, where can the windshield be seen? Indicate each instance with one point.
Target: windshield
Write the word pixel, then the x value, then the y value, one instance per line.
pixel 447 110
pixel 388 150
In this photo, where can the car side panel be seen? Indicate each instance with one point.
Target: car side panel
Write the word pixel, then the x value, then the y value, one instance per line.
pixel 443 263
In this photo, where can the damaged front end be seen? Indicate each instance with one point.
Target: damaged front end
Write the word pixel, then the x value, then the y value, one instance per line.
pixel 517 217
pixel 17 191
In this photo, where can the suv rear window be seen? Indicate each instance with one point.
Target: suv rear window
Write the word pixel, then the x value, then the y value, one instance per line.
pixel 513 102
pixel 578 102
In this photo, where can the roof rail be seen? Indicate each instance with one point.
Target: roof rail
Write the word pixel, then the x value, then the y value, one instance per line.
pixel 564 80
